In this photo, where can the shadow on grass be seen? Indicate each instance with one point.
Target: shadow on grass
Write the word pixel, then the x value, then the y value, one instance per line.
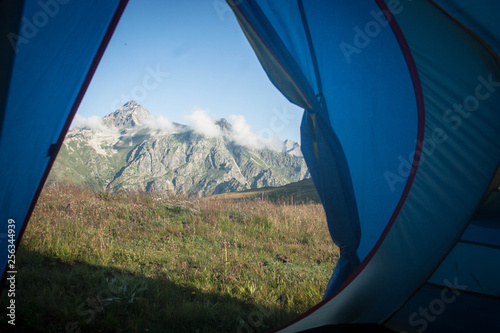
pixel 56 296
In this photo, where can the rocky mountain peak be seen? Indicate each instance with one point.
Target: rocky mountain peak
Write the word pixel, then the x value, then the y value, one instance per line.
pixel 137 158
pixel 223 124
pixel 292 147
pixel 129 115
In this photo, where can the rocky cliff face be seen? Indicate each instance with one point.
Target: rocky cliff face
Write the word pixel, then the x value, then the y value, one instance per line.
pixel 292 148
pixel 128 152
pixel 129 115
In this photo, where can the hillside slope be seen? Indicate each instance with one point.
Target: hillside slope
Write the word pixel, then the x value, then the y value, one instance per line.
pixel 128 150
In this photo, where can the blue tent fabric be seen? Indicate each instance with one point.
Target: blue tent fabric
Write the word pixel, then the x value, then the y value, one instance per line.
pixel 435 309
pixel 402 140
pixel 364 126
pixel 481 18
pixel 339 199
pixel 465 285
pixel 10 17
pixel 55 51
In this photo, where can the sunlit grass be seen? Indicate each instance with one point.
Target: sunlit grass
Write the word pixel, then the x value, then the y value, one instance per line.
pixel 137 263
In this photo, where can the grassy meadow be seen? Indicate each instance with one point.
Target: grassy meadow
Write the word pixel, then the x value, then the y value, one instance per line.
pixel 101 262
pixel 294 193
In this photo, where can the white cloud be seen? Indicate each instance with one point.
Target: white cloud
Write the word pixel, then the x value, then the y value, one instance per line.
pixel 160 123
pixel 241 133
pixel 93 122
pixel 273 143
pixel 201 122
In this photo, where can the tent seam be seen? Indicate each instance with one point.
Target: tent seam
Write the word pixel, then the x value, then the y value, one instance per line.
pixel 468 292
pixel 236 6
pixel 93 66
pixel 11 60
pixel 314 59
pixel 418 151
pixel 469 30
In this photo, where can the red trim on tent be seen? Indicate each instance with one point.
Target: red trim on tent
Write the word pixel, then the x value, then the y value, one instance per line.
pixel 97 58
pixel 412 67
pixel 489 191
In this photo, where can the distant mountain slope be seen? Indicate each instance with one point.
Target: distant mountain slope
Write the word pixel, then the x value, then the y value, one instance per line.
pixel 132 150
pixel 302 191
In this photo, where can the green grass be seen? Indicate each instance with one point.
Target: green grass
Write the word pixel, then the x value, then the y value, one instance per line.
pixel 101 262
pixel 294 193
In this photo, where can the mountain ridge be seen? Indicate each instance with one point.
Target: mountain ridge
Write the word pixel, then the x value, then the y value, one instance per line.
pixel 130 149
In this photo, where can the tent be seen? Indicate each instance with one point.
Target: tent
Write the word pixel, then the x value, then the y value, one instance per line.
pixel 401 133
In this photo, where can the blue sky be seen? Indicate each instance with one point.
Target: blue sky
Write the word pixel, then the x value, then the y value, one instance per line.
pixel 175 56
